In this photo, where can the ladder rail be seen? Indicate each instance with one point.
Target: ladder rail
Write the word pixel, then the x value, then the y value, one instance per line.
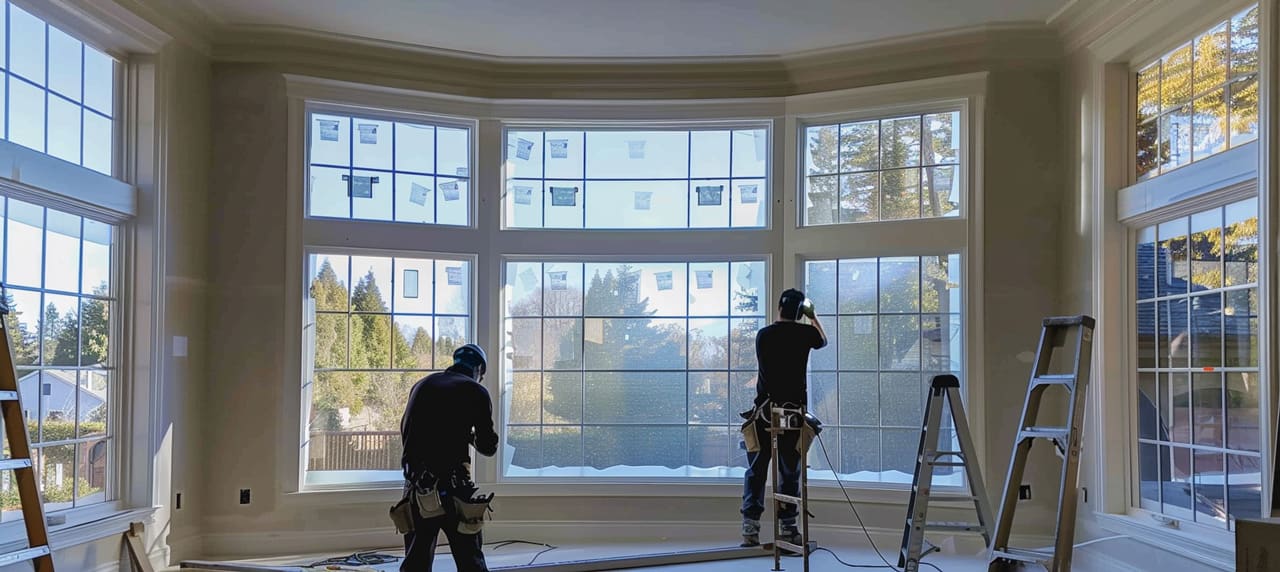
pixel 15 428
pixel 977 487
pixel 1065 527
pixel 777 428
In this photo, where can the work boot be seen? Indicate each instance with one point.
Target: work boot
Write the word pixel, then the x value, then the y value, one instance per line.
pixel 750 532
pixel 790 533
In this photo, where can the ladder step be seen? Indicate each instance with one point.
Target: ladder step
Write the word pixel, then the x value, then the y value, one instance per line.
pixel 8 396
pixel 1068 321
pixel 789 546
pixel 14 464
pixel 1044 433
pixel 946 463
pixel 948 525
pixel 1055 379
pixel 23 555
pixel 1023 555
pixel 786 498
pixel 945 453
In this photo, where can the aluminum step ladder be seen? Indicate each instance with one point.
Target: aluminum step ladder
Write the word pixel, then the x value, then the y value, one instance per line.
pixel 928 457
pixel 1055 334
pixel 783 420
pixel 19 460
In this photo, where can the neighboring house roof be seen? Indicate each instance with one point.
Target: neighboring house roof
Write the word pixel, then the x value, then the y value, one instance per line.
pixel 1205 310
pixel 61 395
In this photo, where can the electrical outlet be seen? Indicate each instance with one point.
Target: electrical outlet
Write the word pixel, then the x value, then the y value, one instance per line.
pixel 1024 492
pixel 244 496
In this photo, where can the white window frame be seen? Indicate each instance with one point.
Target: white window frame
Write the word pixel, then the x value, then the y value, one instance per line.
pixel 783 243
pixel 1121 205
pixel 961 234
pixel 138 167
pixel 766 309
pixel 307 357
pixel 705 125
pixel 353 112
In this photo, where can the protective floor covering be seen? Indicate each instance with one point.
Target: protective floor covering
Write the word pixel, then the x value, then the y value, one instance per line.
pixel 516 557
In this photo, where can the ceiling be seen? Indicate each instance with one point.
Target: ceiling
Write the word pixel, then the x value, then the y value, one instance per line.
pixel 626 28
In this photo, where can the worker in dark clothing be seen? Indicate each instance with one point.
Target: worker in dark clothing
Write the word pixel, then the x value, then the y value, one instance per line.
pixel 782 354
pixel 447 413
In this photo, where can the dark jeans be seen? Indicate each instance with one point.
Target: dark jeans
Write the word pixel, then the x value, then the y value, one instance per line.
pixel 420 545
pixel 758 474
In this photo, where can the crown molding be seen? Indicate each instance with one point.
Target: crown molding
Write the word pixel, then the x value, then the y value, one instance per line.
pixel 361 60
pixel 184 20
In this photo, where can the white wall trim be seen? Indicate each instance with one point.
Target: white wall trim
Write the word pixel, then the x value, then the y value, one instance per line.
pixel 1236 167
pixel 1187 544
pixel 65 185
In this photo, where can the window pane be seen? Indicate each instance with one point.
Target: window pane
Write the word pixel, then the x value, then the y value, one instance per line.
pixel 1206 331
pixel 1175 138
pixel 1244 486
pixel 633 447
pixel 1209 124
pixel 823 150
pixel 1207 409
pixel 1172 258
pixel 370 193
pixel 1244 111
pixel 900 194
pixel 709 154
pixel 453 286
pixel 900 142
pixel 858 286
pixel 27 45
pixel 1176 88
pixel 24 326
pixel 750 153
pixel 940 191
pixel 637 154
pixel 62 251
pixel 859 197
pixel 824 396
pixel 1241 242
pixel 453 152
pixel 99 81
pixel 858 342
pixel 709 344
pixel 1149 92
pixel 1211 53
pixel 859 399
pixel 1244 42
pixel 25 235
pixel 372 143
pixel 639 204
pixel 562 397
pixel 709 398
pixel 1148 406
pixel 95 332
pixel 64 64
pixel 1240 328
pixel 943 144
pixel 1146 329
pixel 1243 397
pixel 64 129
pixel 820 199
pixel 860 146
pixel 415 147
pixel 26 114
pixel 1149 153
pixel 565 154
pixel 1210 492
pixel 99 142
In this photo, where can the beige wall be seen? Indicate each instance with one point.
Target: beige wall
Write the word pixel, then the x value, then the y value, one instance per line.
pixel 186 290
pixel 1022 185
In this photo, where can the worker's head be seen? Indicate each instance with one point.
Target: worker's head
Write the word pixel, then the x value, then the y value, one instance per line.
pixel 471 359
pixel 789 304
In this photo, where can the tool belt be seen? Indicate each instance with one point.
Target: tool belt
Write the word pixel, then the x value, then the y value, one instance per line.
pixel 759 415
pixel 402 514
pixel 472 512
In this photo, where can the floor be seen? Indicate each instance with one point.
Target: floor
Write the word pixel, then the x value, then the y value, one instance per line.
pixel 514 556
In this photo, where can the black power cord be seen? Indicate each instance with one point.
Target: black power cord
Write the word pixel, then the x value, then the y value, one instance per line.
pixel 886 564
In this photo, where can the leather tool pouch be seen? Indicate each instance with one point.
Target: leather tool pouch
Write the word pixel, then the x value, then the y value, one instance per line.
pixel 471 513
pixel 402 515
pixel 428 503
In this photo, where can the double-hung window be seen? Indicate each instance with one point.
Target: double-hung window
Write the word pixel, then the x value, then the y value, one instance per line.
pixel 377 320
pixel 61 218
pixel 893 309
pixel 1199 450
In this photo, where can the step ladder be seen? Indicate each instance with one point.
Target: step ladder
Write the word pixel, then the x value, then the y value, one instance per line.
pixel 783 420
pixel 1054 335
pixel 19 461
pixel 928 457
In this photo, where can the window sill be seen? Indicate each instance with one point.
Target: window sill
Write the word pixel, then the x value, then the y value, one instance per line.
pixel 819 491
pixel 83 525
pixel 1202 544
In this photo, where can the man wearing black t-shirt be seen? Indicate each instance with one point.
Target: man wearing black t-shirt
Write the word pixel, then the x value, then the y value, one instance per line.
pixel 782 353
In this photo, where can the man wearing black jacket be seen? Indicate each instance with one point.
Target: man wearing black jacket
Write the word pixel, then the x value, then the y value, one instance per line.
pixel 782 354
pixel 447 413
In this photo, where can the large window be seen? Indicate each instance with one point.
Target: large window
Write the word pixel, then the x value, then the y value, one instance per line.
pixel 375 326
pixel 883 169
pixel 59 282
pixel 892 324
pixel 615 179
pixel 1199 385
pixel 1199 99
pixel 389 170
pixel 60 93
pixel 629 369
